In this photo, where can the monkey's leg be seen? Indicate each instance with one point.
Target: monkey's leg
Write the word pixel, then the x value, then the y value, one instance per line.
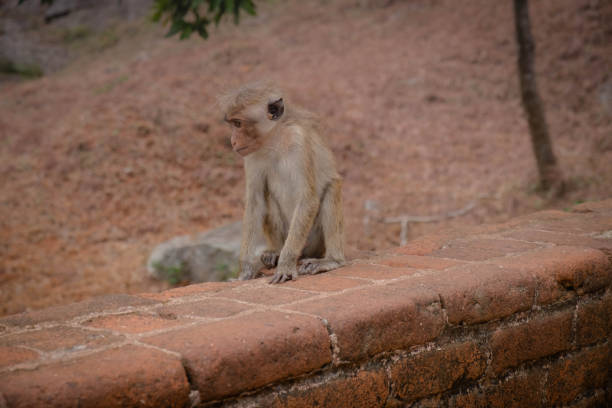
pixel 332 224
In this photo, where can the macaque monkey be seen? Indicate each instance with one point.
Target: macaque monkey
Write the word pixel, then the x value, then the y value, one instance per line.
pixel 293 191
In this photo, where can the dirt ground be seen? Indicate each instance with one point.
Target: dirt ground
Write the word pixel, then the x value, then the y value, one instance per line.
pixel 124 148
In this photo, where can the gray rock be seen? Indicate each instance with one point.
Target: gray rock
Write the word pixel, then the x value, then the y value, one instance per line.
pixel 211 256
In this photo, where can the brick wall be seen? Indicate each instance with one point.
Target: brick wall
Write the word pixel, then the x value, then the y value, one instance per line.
pixel 514 314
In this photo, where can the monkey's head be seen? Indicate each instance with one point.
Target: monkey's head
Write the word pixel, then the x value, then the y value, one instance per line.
pixel 252 111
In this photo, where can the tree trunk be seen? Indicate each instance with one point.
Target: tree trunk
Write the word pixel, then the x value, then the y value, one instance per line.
pixel 550 175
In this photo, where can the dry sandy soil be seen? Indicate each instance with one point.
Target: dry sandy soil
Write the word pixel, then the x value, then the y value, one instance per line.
pixel 124 148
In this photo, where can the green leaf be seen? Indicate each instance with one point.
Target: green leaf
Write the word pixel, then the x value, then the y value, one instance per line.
pixel 177 25
pixel 186 32
pixel 248 6
pixel 202 32
pixel 220 13
pixel 213 5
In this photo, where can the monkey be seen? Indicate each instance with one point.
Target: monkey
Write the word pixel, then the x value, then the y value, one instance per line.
pixel 293 190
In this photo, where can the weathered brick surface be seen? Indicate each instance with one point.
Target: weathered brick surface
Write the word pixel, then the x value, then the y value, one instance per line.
pixel 372 271
pixel 325 283
pixel 243 353
pixel 365 389
pixel 482 249
pixel 577 373
pixel 134 323
pixel 15 355
pixel 126 376
pixel 604 207
pixel 192 290
pixel 479 292
pixel 575 223
pixel 594 320
pixel 214 308
pixel 67 312
pixel 266 294
pixel 375 319
pixel 563 221
pixel 436 371
pixel 561 269
pixel 62 338
pixel 416 262
pixel 531 340
pixel 597 399
pixel 427 244
pixel 520 390
pixel 558 238
pixel 514 314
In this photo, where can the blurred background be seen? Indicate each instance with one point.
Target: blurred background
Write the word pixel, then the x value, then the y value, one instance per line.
pixel 110 141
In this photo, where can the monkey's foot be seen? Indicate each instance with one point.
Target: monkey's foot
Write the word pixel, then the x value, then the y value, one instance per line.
pixel 312 266
pixel 283 274
pixel 249 271
pixel 269 258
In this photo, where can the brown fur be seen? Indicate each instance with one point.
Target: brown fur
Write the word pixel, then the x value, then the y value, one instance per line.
pixel 293 191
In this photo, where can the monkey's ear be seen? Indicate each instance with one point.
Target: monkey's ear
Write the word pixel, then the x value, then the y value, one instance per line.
pixel 276 109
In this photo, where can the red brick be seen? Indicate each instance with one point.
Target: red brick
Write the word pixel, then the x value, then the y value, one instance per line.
pixel 204 308
pixel 266 294
pixel 436 371
pixel 192 290
pixel 126 376
pixel 482 249
pixel 14 355
pixel 558 238
pixel 604 206
pixel 381 318
pixel 523 389
pixel 235 355
pixel 520 390
pixel 562 268
pixel 133 323
pixel 576 223
pixel 578 373
pixel 370 271
pixel 66 339
pixel 540 337
pixel 365 389
pixel 596 400
pixel 546 215
pixel 67 312
pixel 324 283
pixel 594 321
pixel 477 293
pixel 428 243
pixel 416 261
pixel 471 398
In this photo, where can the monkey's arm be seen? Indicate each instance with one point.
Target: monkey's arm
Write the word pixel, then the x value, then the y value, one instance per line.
pixel 301 224
pixel 302 219
pixel 251 222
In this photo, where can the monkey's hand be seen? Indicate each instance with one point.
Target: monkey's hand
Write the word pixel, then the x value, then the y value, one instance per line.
pixel 284 273
pixel 269 258
pixel 248 270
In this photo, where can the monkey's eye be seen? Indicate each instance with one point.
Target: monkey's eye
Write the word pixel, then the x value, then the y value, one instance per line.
pixel 236 123
pixel 272 110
